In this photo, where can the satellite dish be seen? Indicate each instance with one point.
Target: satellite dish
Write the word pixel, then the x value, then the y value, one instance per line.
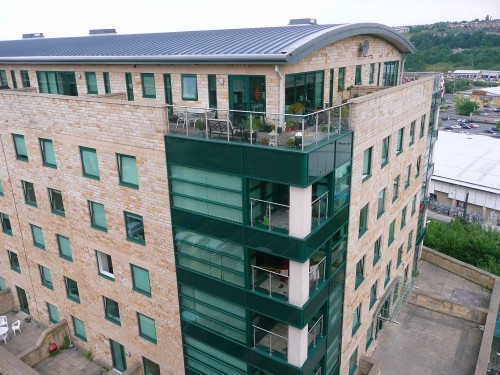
pixel 365 48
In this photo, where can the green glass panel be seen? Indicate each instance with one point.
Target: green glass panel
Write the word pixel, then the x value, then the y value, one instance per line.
pixel 64 247
pixel 98 215
pixel 3 78
pixel 46 277
pixel 150 367
pixel 147 327
pixel 79 326
pixel 20 146
pixel 3 285
pixel 128 170
pixel 48 154
pixel 112 310
pixel 89 162
pixel 14 80
pixel 1 188
pixel 135 227
pixel 56 201
pixel 52 82
pixel 91 83
pixel 130 86
pixel 29 193
pixel 148 85
pixel 53 313
pixel 107 84
pixel 118 356
pixel 140 277
pixel 25 78
pixel 38 236
pixel 72 290
pixel 189 87
pixel 6 227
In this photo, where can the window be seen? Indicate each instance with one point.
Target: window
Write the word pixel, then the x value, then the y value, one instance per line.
pixel 25 77
pixel 373 294
pixel 417 171
pixel 79 327
pixel 403 218
pixel 399 148
pixel 3 78
pixel 385 151
pixel 64 247
pixel 367 163
pixel 189 87
pixel 20 147
pixel 381 203
pixel 363 220
pixel 407 177
pixel 422 126
pixel 97 216
pixel 369 336
pixel 410 241
pixel 111 310
pixel 341 83
pixel 134 226
pixel 127 170
pixel 53 313
pixel 118 356
pixel 107 83
pixel 332 75
pixel 360 272
pixel 90 166
pixel 6 227
pixel 29 193
pixel 395 188
pixel 46 277
pixel 356 319
pixel 377 247
pixel 412 132
pixel 392 226
pixel 37 233
pixel 167 83
pixel 150 367
pixel 400 256
pixel 140 280
pixel 372 73
pixel 390 76
pixel 147 327
pixel 353 362
pixel 62 83
pixel 14 261
pixel 130 86
pixel 72 289
pixel 387 274
pixel 1 189
pixel 148 85
pixel 91 83
pixel 56 202
pixel 357 77
pixel 212 91
pixel 414 205
pixel 3 285
pixel 105 265
pixel 14 80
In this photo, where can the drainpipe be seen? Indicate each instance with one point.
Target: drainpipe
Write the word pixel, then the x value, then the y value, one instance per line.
pixel 281 95
pixel 402 69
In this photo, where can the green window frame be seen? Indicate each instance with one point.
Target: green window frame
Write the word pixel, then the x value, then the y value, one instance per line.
pixel 62 83
pixel 341 81
pixel 3 284
pixel 356 319
pixel 395 188
pixel 369 337
pixel 410 241
pixel 422 125
pixel 91 79
pixel 381 203
pixel 412 132
pixel 56 202
pixel 25 78
pixel 390 76
pixel 357 76
pixel 387 273
pixel 392 228
pixel 29 193
pixel 377 247
pixel 118 356
pixel 129 84
pixel 14 80
pixel 150 367
pixel 363 220
pixel 134 228
pixel 408 177
pixel 111 310
pixel 360 272
pixel 1 189
pixel 403 217
pixel 212 91
pixel 140 280
pixel 20 147
pixel 367 163
pixel 14 261
pixel 79 328
pixel 53 313
pixel 147 327
pixel 37 234
pixel 306 88
pixel 189 84
pixel 127 170
pixel 6 226
pixel 64 247
pixel 399 146
pixel 48 154
pixel 414 205
pixel 3 78
pixel 332 76
pixel 72 291
pixel 353 362
pixel 148 85
pixel 97 216
pixel 385 151
pixel 90 165
pixel 400 256
pixel 372 73
pixel 46 277
pixel 107 83
pixel 417 169
pixel 104 265
pixel 373 294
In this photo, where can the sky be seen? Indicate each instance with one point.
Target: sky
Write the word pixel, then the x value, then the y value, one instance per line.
pixel 60 18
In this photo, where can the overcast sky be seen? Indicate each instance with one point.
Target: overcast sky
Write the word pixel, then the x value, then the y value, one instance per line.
pixel 59 18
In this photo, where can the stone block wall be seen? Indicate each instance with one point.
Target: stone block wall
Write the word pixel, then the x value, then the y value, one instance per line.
pixel 6 301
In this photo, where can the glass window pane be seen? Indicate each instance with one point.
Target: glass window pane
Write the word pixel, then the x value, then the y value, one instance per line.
pixel 56 201
pixel 91 83
pixel 79 326
pixel 38 240
pixel 53 313
pixel 189 87
pixel 72 289
pixel 29 193
pixel 6 227
pixel 98 216
pixel 46 277
pixel 107 84
pixel 64 247
pixel 148 85
pixel 150 367
pixel 48 154
pixel 147 327
pixel 140 277
pixel 20 147
pixel 89 162
pixel 112 311
pixel 128 170
pixel 3 285
pixel 135 227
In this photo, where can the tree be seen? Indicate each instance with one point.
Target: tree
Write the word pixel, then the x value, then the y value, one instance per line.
pixel 465 107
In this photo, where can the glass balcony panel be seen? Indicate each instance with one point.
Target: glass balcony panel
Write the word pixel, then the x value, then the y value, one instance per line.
pixel 273 281
pixel 269 215
pixel 274 341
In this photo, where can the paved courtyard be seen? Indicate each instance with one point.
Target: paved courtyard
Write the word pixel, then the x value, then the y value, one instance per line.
pixel 68 362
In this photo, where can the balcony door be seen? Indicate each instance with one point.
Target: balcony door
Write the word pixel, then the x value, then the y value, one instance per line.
pixel 246 93
pixel 23 300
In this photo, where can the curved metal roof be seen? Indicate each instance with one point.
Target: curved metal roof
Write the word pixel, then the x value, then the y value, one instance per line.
pixel 285 44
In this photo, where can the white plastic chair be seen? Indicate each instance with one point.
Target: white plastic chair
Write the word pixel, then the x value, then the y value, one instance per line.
pixel 16 326
pixel 3 321
pixel 4 337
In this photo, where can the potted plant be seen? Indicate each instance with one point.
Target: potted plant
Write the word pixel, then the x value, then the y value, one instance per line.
pixel 200 125
pixel 264 141
pixel 297 108
pixel 256 125
pixel 291 142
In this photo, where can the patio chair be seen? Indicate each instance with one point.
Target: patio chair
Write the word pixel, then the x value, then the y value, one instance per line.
pixel 3 321
pixel 16 326
pixel 4 338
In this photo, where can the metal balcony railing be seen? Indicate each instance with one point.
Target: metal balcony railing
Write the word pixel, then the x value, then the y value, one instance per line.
pixel 317 273
pixel 315 331
pixel 274 281
pixel 269 214
pixel 319 209
pixel 272 342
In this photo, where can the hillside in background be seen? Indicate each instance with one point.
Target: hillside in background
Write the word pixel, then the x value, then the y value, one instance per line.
pixel 449 46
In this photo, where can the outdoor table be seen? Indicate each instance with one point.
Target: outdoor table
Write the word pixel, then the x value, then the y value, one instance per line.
pixel 4 330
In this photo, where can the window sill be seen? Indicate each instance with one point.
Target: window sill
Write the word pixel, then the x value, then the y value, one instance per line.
pixel 22 158
pixel 74 299
pixel 53 166
pixel 51 287
pixel 109 319
pixel 8 232
pixel 18 270
pixel 133 186
pixel 59 213
pixel 355 328
pixel 92 177
pixel 369 343
pixel 362 231
pixel 394 199
pixel 70 259
pixel 386 282
pixel 389 243
pixel 39 246
pixel 380 214
pixel 140 242
pixel 147 294
pixel 32 204
pixel 366 177
pixel 359 281
pixel 154 341
pixel 376 258
pixel 53 321
pixel 190 99
pixel 372 303
pixel 106 276
pixel 81 337
pixel 384 164
pixel 399 153
pixel 99 228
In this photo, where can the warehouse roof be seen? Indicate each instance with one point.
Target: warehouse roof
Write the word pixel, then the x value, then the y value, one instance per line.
pixel 276 45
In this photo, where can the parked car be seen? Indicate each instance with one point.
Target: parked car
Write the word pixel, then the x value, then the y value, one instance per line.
pixel 494 128
pixel 450 128
pixel 467 120
pixel 474 126
pixel 496 135
pixel 489 131
pixel 455 126
pixel 465 126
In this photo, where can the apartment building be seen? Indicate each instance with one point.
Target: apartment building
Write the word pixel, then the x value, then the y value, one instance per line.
pixel 244 201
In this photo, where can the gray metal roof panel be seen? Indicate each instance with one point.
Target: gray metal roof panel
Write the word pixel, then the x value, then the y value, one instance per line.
pixel 268 44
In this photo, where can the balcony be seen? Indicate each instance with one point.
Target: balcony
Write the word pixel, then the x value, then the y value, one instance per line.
pixel 277 130
pixel 274 341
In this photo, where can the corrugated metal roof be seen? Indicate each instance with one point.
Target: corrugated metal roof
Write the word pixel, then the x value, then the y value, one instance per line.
pixel 268 44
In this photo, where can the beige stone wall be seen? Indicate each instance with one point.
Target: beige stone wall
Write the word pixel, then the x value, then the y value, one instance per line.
pixel 109 126
pixel 6 301
pixel 373 118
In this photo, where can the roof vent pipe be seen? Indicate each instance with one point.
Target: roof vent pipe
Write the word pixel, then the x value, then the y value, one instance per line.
pixel 303 21
pixel 33 36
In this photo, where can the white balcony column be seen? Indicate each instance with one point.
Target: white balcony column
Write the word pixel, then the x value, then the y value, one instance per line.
pixel 297 345
pixel 300 219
